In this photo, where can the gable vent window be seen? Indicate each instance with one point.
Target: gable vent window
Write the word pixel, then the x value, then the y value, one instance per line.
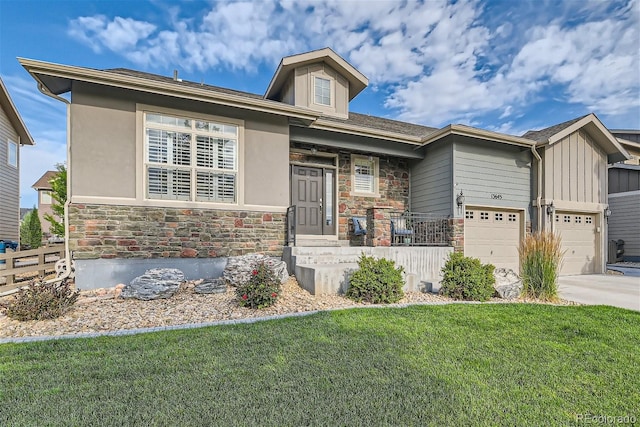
pixel 189 159
pixel 322 91
pixel 364 174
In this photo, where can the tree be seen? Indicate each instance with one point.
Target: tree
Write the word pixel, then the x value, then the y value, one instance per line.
pixel 59 196
pixel 31 230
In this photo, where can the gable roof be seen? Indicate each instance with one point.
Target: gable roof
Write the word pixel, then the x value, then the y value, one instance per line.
pixel 14 117
pixel 543 135
pixel 357 80
pixel 589 123
pixel 57 78
pixel 43 182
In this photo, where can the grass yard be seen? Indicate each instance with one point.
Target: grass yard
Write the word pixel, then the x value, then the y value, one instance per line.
pixel 489 364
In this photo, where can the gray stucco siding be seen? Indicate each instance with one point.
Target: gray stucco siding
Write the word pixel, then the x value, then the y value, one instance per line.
pixel 492 174
pixel 432 180
pixel 9 183
pixel 624 223
pixel 104 138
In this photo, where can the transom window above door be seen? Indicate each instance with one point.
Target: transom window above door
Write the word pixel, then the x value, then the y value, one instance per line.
pixel 190 159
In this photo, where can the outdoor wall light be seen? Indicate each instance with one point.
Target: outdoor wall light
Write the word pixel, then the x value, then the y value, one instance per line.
pixel 607 213
pixel 551 209
pixel 314 150
pixel 460 199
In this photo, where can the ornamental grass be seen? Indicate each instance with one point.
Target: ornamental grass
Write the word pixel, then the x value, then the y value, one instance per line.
pixel 540 261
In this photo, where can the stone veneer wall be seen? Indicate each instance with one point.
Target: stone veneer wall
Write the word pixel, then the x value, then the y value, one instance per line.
pixel 393 186
pixel 107 231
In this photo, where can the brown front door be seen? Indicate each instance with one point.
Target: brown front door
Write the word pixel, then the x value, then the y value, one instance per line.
pixel 307 191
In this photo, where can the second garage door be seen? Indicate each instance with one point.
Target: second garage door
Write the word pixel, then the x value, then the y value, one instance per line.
pixel 493 236
pixel 579 242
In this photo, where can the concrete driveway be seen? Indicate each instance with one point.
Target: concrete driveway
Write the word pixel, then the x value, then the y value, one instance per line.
pixel 601 289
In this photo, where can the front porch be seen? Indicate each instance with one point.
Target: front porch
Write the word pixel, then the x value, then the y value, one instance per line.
pixel 418 242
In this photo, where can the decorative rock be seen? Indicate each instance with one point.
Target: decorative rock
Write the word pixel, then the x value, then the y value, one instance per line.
pixel 239 268
pixel 508 284
pixel 154 284
pixel 211 286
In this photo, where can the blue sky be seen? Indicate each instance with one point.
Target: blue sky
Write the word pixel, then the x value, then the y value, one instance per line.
pixel 505 65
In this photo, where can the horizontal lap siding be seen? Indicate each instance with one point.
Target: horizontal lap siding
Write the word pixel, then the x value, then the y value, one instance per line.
pixel 431 181
pixel 624 223
pixel 491 174
pixel 9 183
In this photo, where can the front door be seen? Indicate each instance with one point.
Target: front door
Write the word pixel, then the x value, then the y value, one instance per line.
pixel 312 194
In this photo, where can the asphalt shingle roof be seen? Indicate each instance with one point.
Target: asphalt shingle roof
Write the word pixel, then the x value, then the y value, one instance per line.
pixel 543 135
pixel 355 119
pixel 43 182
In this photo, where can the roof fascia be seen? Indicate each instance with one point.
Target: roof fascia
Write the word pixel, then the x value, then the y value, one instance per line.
pixel 471 132
pixel 593 119
pixel 14 116
pixel 164 88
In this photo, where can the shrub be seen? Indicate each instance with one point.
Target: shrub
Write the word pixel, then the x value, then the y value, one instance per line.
pixel 466 278
pixel 376 281
pixel 261 290
pixel 41 300
pixel 540 260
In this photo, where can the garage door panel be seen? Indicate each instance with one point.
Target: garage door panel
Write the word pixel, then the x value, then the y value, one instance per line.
pixel 579 242
pixel 493 236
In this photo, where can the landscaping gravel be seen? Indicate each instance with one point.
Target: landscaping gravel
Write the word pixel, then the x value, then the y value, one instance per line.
pixel 102 310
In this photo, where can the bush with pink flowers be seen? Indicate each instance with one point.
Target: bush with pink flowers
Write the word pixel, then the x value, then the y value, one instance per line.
pixel 261 290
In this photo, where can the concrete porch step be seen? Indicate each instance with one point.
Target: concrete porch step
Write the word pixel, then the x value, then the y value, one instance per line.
pixel 320 243
pixel 333 279
pixel 335 258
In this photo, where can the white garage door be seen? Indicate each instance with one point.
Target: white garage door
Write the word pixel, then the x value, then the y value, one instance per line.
pixel 579 242
pixel 493 235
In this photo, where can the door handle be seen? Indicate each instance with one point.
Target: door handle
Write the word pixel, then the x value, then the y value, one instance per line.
pixel 320 203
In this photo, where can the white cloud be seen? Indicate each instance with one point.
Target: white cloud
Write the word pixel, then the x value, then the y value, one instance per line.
pixel 438 61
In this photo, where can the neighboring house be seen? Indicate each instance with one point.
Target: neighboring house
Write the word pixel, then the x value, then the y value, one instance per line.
pixel 43 187
pixel 175 173
pixel 624 196
pixel 13 135
pixel 24 212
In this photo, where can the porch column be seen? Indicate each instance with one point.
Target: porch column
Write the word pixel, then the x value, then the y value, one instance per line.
pixel 456 234
pixel 379 226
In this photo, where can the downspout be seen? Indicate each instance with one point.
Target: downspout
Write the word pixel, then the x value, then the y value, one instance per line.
pixel 67 253
pixel 538 187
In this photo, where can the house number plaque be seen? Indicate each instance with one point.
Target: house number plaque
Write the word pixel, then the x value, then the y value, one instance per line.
pixel 496 196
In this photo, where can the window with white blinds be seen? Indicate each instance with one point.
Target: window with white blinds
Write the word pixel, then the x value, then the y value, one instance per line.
pixel 189 159
pixel 365 171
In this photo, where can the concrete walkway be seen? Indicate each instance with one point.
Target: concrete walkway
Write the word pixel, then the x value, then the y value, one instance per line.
pixel 601 289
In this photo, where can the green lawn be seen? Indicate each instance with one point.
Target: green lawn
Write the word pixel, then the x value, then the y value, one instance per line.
pixel 490 364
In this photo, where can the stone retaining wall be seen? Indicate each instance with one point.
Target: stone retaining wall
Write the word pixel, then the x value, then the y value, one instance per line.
pixel 107 232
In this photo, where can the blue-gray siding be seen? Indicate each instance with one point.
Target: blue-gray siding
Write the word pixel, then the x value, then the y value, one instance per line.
pixel 432 180
pixel 624 178
pixel 9 183
pixel 624 223
pixel 492 174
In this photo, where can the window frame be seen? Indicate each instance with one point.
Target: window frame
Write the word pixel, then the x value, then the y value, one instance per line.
pixel 43 194
pixel 192 167
pixel 12 146
pixel 331 81
pixel 375 163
